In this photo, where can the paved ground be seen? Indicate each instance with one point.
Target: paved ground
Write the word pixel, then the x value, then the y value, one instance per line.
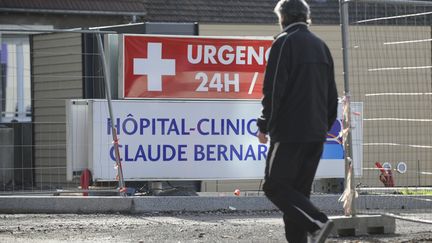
pixel 220 226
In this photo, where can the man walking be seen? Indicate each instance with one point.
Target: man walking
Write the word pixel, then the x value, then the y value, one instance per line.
pixel 299 107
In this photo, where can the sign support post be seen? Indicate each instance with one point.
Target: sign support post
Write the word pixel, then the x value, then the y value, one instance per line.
pixel 113 131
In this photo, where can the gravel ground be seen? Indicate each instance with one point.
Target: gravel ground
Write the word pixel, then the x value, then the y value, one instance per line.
pixel 220 226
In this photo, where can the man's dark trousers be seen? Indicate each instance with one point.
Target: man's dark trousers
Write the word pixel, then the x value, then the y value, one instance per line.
pixel 290 170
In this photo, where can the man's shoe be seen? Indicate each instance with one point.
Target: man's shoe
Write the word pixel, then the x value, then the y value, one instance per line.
pixel 320 235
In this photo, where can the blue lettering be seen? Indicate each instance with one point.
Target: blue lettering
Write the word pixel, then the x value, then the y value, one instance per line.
pixel 183 127
pixel 162 121
pixel 233 127
pixel 144 123
pixel 213 128
pixel 156 153
pixel 153 126
pixel 150 153
pixel 168 148
pixel 221 152
pixel 250 153
pixel 199 152
pixel 140 153
pixel 173 128
pixel 133 123
pixel 199 126
pixel 210 152
pixel 239 154
pixel 262 152
pixel 252 128
pixel 243 126
pixel 116 126
pixel 112 152
pixel 222 149
pixel 182 152
pixel 126 152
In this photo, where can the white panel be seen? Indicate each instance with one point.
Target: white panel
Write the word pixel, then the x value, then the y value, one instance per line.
pixel 188 127
pixel 76 136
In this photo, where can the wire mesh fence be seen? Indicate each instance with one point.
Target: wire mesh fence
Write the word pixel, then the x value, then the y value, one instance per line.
pixel 390 75
pixel 390 65
pixel 44 147
pixel 40 72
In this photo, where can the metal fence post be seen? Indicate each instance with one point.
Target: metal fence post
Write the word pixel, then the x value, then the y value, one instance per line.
pixel 108 96
pixel 349 171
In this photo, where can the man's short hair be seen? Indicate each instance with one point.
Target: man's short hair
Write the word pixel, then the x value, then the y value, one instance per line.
pixel 291 11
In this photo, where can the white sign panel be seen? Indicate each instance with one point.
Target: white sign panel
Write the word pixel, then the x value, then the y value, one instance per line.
pixel 187 140
pixel 179 140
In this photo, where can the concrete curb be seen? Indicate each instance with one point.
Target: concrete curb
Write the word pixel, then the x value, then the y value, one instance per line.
pixel 105 204
pixel 78 204
pixel 69 204
pixel 393 202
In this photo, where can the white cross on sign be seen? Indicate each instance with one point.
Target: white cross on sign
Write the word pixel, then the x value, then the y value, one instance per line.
pixel 154 66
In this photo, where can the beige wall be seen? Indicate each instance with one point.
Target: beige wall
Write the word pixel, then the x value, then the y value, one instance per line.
pixel 396 139
pixel 57 76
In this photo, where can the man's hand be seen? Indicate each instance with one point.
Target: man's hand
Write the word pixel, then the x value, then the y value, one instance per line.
pixel 262 137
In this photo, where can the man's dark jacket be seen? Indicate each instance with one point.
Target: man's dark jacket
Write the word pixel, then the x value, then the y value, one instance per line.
pixel 300 96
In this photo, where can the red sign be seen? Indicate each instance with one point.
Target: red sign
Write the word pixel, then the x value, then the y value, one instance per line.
pixel 193 67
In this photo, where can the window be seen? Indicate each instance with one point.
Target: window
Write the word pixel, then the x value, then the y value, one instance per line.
pixel 15 97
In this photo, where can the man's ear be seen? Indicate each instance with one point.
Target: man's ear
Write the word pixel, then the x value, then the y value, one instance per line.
pixel 282 22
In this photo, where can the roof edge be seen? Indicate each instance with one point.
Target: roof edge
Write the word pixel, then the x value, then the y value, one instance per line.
pixel 77 12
